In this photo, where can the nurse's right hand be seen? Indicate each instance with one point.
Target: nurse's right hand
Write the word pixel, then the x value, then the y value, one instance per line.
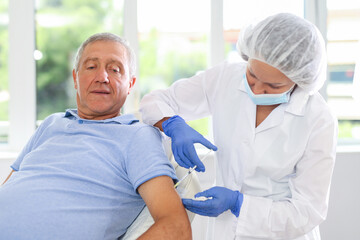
pixel 183 138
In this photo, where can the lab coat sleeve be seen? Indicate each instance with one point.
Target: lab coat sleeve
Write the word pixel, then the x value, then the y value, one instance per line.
pixel 294 217
pixel 191 98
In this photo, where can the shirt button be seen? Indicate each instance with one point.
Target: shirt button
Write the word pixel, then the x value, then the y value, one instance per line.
pixel 81 121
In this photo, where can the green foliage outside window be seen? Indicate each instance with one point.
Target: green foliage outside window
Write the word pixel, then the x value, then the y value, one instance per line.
pixel 61 27
pixel 79 20
pixel 349 129
pixel 160 71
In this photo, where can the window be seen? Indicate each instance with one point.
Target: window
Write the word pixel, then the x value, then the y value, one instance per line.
pixel 61 26
pixel 343 54
pixel 171 44
pixel 4 90
pixel 238 14
pixel 173 39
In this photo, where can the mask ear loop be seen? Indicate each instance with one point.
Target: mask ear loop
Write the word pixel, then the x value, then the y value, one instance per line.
pixel 292 89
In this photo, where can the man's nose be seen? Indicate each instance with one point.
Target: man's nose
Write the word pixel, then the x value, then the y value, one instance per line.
pixel 102 76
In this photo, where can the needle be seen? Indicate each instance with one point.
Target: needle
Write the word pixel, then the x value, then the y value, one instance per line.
pixel 191 169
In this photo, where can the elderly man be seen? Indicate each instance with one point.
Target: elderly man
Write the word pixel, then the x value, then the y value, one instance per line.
pixel 87 173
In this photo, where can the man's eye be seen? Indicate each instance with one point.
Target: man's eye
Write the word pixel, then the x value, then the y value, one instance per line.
pixel 90 67
pixel 115 70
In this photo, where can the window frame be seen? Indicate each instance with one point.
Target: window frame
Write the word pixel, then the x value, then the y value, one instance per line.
pixel 22 84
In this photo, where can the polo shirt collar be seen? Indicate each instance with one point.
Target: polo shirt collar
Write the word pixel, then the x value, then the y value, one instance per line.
pixel 126 119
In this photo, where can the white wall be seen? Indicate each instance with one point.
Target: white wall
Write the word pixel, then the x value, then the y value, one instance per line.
pixel 344 206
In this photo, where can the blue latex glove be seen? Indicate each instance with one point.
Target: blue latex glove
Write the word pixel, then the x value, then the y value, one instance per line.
pixel 222 200
pixel 183 138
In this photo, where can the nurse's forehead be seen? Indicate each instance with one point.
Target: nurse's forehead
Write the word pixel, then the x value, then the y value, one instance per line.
pixel 265 72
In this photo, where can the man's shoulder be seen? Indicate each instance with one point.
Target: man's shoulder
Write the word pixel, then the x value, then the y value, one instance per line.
pixel 53 118
pixel 57 115
pixel 145 130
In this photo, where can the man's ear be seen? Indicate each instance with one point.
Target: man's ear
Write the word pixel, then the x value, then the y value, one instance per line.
pixel 74 78
pixel 131 83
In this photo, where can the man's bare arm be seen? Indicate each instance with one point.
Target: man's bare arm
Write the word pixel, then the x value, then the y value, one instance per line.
pixel 167 210
pixel 8 177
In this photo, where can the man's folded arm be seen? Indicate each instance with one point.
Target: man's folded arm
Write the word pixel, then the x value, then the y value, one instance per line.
pixel 167 210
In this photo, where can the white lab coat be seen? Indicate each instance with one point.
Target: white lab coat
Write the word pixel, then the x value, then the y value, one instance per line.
pixel 283 167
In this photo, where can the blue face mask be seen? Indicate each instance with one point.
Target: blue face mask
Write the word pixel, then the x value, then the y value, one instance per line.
pixel 267 99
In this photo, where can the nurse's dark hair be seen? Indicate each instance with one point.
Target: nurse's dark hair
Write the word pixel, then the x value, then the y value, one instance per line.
pixel 107 37
pixel 244 56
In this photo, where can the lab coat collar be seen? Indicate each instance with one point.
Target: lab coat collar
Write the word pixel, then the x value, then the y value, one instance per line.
pixel 296 104
pixel 298 101
pixel 126 119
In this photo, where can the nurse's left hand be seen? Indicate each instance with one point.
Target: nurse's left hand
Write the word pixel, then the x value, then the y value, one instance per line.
pixel 221 200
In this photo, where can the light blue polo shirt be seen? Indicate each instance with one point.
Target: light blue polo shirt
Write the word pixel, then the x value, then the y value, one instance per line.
pixel 77 179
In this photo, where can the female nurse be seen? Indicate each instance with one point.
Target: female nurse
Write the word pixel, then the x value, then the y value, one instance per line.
pixel 274 133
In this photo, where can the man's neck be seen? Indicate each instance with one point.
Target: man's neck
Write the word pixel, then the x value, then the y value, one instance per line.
pixel 99 116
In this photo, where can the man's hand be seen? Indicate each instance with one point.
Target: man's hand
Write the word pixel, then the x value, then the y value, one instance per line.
pixel 165 206
pixel 221 200
pixel 183 138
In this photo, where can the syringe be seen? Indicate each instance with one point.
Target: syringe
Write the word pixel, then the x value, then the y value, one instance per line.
pixel 192 169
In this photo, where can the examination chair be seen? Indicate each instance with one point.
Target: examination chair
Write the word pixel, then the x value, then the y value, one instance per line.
pixel 186 189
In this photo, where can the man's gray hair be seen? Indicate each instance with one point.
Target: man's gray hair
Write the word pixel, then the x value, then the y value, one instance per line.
pixel 108 37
